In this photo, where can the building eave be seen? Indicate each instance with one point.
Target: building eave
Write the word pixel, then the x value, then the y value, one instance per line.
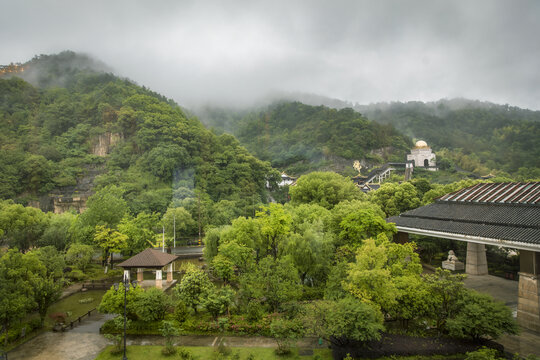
pixel 470 238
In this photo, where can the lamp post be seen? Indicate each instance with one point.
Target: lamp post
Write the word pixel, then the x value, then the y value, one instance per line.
pixel 126 288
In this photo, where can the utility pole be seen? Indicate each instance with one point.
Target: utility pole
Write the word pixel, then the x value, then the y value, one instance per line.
pixel 163 240
pixel 199 210
pixel 174 228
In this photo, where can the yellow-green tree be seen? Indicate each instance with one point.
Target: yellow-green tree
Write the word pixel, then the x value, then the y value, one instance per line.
pixel 109 241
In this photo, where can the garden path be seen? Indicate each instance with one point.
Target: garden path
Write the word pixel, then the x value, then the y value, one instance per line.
pixel 82 343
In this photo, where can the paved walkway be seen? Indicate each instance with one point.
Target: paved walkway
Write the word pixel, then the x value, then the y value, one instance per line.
pixel 82 343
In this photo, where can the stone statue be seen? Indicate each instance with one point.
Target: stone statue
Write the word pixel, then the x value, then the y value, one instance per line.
pixel 452 263
pixel 452 256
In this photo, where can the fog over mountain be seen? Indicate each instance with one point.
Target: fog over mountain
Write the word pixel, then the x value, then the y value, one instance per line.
pixel 237 52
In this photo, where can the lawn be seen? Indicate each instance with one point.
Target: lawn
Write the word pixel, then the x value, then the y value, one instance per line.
pixel 73 308
pixel 146 352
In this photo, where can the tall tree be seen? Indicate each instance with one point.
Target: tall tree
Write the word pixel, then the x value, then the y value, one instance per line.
pixel 326 189
pixel 109 241
pixel 15 289
pixel 275 226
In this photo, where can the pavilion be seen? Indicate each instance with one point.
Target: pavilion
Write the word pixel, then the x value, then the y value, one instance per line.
pixel 150 259
pixel 499 214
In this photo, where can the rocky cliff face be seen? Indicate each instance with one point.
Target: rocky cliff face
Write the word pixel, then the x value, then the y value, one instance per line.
pixel 104 143
pixel 74 197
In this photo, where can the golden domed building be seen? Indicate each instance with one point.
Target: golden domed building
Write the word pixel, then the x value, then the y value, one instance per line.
pixel 422 156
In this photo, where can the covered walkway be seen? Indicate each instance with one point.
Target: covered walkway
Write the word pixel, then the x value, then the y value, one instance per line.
pixel 499 214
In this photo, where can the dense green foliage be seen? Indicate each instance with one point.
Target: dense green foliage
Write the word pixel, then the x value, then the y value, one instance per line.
pixel 300 137
pixel 478 136
pixel 80 119
pixel 28 282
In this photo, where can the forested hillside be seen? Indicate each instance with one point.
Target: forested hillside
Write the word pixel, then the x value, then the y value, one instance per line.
pixel 302 138
pixel 74 118
pixel 476 136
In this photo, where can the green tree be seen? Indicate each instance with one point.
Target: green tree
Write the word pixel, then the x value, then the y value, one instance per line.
pixel 184 223
pixel 193 288
pixel 151 305
pixel 223 268
pixel 15 289
pixel 245 232
pixel 446 290
pixel 326 189
pixel 53 261
pixel 413 300
pixel 285 332
pixel 481 316
pixel 21 226
pixel 105 208
pixel 364 224
pixel 46 292
pixel 344 208
pixel 344 320
pixel 218 301
pixel 311 252
pixel 396 198
pixel 168 331
pixel 274 282
pixel 372 277
pixel 140 231
pixel 109 241
pixel 57 232
pixel 80 255
pixel 275 226
pixel 334 289
pixel 112 301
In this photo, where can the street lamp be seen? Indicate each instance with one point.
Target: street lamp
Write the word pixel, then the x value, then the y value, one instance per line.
pixel 125 281
pixel 126 288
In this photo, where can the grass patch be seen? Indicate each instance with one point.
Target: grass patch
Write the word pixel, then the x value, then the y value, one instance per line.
pixel 139 352
pixel 73 307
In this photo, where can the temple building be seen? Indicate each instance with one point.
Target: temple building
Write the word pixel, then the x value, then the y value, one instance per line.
pixel 422 156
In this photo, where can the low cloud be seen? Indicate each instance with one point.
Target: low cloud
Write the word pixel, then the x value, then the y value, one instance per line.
pixel 239 51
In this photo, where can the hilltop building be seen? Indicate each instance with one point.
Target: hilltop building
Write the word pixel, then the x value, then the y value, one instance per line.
pixel 422 156
pixel 287 180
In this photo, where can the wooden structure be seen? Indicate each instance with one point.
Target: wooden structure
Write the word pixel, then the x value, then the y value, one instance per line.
pixel 150 259
pixel 499 214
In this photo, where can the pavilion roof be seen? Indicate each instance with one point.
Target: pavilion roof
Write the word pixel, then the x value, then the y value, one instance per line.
pixel 148 258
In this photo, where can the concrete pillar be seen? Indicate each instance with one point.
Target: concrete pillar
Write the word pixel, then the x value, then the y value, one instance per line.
pixel 169 273
pixel 126 275
pixel 140 275
pixel 528 313
pixel 401 237
pixel 159 281
pixel 476 262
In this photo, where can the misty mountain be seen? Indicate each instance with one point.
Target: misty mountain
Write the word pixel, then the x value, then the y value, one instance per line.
pixel 477 136
pixel 300 138
pixel 76 119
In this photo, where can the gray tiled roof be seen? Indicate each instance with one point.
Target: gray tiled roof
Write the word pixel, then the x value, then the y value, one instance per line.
pixel 514 219
pixel 148 258
pixel 499 193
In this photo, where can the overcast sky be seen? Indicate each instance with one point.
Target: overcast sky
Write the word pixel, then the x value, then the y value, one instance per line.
pixel 237 51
